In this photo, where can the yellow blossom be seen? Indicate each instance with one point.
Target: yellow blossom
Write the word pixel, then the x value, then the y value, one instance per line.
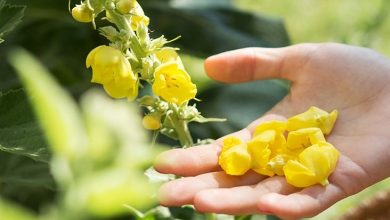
pixel 303 138
pixel 138 16
pixel 230 141
pixel 314 117
pixel 82 13
pixel 277 163
pixel 279 126
pixel 168 54
pixel 125 6
pixel 173 83
pixel 314 165
pixel 263 147
pixel 111 69
pixel 235 160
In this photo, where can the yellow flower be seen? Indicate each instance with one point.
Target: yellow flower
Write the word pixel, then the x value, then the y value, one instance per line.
pixel 82 13
pixel 173 83
pixel 168 54
pixel 314 165
pixel 263 147
pixel 111 69
pixel 230 141
pixel 125 6
pixel 138 16
pixel 277 163
pixel 234 158
pixel 303 138
pixel 279 126
pixel 314 117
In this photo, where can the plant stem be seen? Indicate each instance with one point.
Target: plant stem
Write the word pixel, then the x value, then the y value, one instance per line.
pixel 211 216
pixel 124 24
pixel 183 133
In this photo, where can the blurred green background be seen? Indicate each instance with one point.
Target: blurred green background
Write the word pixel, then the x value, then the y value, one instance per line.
pixel 207 27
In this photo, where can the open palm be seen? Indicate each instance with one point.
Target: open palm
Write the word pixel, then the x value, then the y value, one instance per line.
pixel 330 76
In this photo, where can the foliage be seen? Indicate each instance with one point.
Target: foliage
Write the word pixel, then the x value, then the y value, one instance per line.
pixel 11 16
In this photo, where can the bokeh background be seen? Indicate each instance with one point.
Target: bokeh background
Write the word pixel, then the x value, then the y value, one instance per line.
pixel 206 27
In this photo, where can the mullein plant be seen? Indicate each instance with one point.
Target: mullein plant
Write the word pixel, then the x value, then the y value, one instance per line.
pixel 132 59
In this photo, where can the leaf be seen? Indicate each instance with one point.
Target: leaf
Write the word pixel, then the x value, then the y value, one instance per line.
pixel 200 3
pixel 14 212
pixel 10 16
pixel 25 181
pixel 19 132
pixel 201 119
pixel 56 110
pixel 225 28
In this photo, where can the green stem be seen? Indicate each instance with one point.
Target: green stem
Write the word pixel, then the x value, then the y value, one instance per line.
pixel 123 23
pixel 211 216
pixel 183 133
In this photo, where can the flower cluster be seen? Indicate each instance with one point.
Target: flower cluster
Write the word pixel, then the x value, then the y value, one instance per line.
pixel 305 157
pixel 133 59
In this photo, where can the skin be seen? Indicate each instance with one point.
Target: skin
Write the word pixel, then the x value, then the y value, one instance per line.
pixel 353 80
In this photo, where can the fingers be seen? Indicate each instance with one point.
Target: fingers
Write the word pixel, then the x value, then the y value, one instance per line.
pixel 258 63
pixel 239 200
pixel 306 203
pixel 182 191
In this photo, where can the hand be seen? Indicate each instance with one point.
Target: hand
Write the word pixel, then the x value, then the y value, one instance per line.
pixel 353 80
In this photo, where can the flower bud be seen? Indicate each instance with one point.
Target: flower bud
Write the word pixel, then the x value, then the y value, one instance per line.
pixel 147 101
pixel 152 122
pixel 82 13
pixel 125 6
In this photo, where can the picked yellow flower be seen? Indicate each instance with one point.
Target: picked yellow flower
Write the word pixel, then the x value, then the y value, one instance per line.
pixel 314 165
pixel 279 126
pixel 230 141
pixel 263 147
pixel 314 117
pixel 277 163
pixel 234 158
pixel 303 138
pixel 111 69
pixel 173 83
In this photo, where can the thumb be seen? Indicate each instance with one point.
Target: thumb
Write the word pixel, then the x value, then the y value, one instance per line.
pixel 250 64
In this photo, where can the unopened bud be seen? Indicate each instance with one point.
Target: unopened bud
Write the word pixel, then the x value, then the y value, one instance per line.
pixel 147 101
pixel 125 6
pixel 82 13
pixel 152 122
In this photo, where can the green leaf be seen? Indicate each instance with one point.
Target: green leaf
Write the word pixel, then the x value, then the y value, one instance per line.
pixel 25 181
pixel 10 16
pixel 19 132
pixel 56 110
pixel 14 212
pixel 225 28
